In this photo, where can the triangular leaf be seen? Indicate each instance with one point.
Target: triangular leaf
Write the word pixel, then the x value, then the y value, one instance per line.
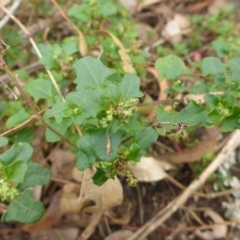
pixel 3 141
pixel 192 114
pixel 146 137
pixel 231 122
pixel 15 172
pixel 91 73
pixel 170 67
pixel 18 151
pixel 130 87
pixel 24 209
pixel 35 175
pixel 234 68
pixel 212 66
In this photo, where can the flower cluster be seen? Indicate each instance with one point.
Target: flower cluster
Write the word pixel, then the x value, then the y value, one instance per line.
pixel 123 111
pixel 7 193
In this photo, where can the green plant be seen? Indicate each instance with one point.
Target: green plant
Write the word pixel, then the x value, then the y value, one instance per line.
pixel 100 111
pixel 18 173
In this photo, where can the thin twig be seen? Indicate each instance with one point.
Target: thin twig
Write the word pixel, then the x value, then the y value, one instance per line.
pixel 24 29
pixel 173 206
pixel 12 9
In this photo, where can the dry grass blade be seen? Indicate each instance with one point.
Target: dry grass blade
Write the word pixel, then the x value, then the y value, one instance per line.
pixel 83 47
pixel 126 61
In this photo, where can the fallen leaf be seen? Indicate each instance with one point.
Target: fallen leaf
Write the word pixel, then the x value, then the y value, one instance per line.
pixel 130 5
pixel 216 5
pixel 102 196
pixel 69 233
pixel 119 235
pixel 77 175
pixel 63 162
pixel 192 154
pixel 172 32
pixel 69 198
pixel 149 169
pixel 217 232
pixel 146 3
pixel 174 28
pixel 182 21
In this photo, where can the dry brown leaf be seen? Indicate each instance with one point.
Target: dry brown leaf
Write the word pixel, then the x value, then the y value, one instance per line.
pixel 120 221
pixel 216 5
pixel 192 154
pixel 69 233
pixel 126 61
pixel 174 29
pixel 149 169
pixel 119 235
pixel 69 198
pixel 52 217
pixel 198 6
pixel 101 197
pixel 63 162
pixel 89 230
pixel 217 232
pixel 146 3
pixel 130 5
pixel 182 21
pixel 77 175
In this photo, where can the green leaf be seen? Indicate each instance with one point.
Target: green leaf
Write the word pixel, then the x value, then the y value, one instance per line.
pixel 17 118
pixel 107 8
pixel 165 116
pixel 234 69
pixel 212 66
pixel 24 135
pixel 170 67
pixel 90 101
pixel 91 73
pixel 2 108
pixel 101 140
pixel 18 151
pixel 24 209
pixel 86 156
pixel 213 117
pixel 130 86
pixel 15 172
pixel 99 177
pixel 134 153
pixel 35 175
pixel 80 12
pixel 3 141
pixel 69 48
pixel 56 111
pixel 82 162
pixel 220 47
pixel 211 100
pixel 231 122
pixel 193 114
pixel 60 128
pixel 40 89
pixel 146 137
